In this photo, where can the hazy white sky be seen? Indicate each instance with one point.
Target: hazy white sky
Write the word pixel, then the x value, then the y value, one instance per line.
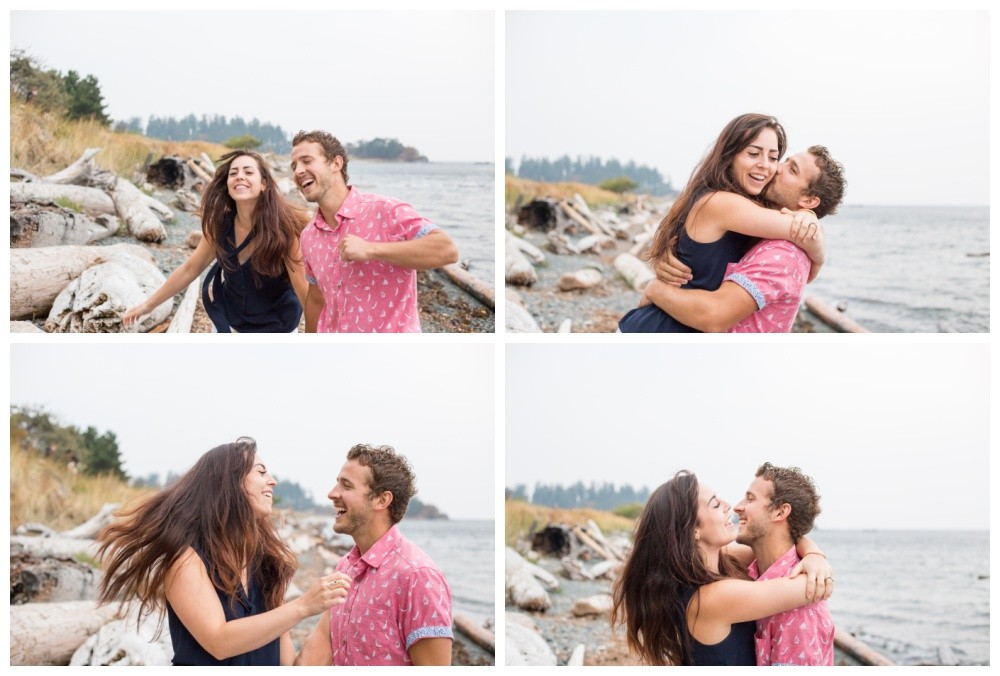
pixel 306 405
pixel 900 98
pixel 426 78
pixel 895 435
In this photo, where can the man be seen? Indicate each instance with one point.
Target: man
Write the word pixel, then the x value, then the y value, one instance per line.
pixel 762 292
pixel 398 609
pixel 361 251
pixel 778 509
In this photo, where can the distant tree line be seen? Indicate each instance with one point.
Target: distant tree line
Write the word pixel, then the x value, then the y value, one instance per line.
pixel 384 149
pixel 215 129
pixel 69 95
pixel 605 496
pixel 85 451
pixel 591 170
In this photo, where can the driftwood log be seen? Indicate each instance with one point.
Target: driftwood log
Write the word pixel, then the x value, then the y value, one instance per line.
pixel 96 301
pixel 577 656
pixel 122 643
pixel 833 317
pixel 524 646
pixel 24 327
pixel 480 635
pixel 92 201
pixel 518 269
pixel 36 579
pixel 184 316
pixel 37 276
pixel 92 526
pixel 49 633
pixel 636 273
pixel 34 224
pixel 133 206
pixel 581 279
pixel 859 650
pixel 79 172
pixel 471 284
pixel 532 252
pixel 524 590
pixel 55 547
pixel 598 604
pixel 541 214
pixel 517 318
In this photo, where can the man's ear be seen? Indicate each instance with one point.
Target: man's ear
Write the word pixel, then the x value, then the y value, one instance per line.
pixel 337 162
pixel 782 513
pixel 385 499
pixel 808 202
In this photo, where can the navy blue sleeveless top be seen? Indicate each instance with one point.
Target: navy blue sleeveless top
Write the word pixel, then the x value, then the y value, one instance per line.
pixel 245 302
pixel 708 261
pixel 187 650
pixel 737 649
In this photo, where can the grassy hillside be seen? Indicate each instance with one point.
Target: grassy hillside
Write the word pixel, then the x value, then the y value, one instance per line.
pixel 519 517
pixel 528 190
pixel 43 143
pixel 45 491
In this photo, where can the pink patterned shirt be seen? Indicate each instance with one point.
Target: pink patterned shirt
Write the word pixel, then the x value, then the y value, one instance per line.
pixel 774 272
pixel 803 636
pixel 369 296
pixel 397 597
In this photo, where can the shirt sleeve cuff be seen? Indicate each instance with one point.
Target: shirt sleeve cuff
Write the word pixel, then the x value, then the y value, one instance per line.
pixel 428 632
pixel 749 287
pixel 311 280
pixel 425 229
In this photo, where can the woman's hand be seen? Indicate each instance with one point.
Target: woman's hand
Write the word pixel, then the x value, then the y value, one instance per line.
pixel 819 577
pixel 133 315
pixel 326 592
pixel 807 233
pixel 671 271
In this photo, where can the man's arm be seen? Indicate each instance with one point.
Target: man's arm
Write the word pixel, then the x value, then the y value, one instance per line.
pixel 709 311
pixel 431 652
pixel 317 650
pixel 313 307
pixel 433 250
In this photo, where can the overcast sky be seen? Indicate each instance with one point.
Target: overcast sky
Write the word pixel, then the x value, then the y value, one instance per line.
pixel 895 435
pixel 306 405
pixel 426 78
pixel 900 98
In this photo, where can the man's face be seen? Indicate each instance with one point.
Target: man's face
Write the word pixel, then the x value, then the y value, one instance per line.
pixel 790 182
pixel 314 174
pixel 351 504
pixel 755 512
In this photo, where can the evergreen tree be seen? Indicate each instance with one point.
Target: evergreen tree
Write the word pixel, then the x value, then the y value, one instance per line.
pixel 85 98
pixel 101 454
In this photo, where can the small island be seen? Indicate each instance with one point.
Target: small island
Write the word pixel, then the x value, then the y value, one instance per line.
pixel 384 149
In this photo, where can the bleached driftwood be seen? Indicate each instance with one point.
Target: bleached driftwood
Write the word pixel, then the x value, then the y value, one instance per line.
pixel 90 527
pixel 593 544
pixel 519 270
pixel 524 589
pixel 603 569
pixel 532 252
pixel 576 657
pixel 598 604
pixel 184 315
pixel 559 243
pixel 122 643
pixel 566 326
pixel 480 635
pixel 594 531
pixel 62 548
pixel 525 647
pixel 634 271
pixel 573 570
pixel 471 284
pixel 187 200
pixel 50 579
pixel 206 163
pixel 133 206
pixel 38 275
pixel 517 318
pixel 79 171
pixel 198 171
pixel 37 225
pixel 581 279
pixel 92 201
pixel 24 327
pixel 163 212
pixel 96 301
pixel 833 317
pixel 49 633
pixel 595 243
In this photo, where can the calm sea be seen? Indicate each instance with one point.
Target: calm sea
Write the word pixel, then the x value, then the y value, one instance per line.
pixel 909 269
pixel 457 196
pixel 919 597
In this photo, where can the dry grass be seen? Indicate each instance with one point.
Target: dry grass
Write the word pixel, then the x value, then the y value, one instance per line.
pixel 45 491
pixel 43 143
pixel 527 190
pixel 521 517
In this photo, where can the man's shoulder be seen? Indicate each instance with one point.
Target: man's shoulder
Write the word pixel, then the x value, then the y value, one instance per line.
pixel 411 560
pixel 780 246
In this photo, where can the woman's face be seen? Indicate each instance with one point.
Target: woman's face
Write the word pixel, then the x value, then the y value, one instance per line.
pixel 244 181
pixel 259 486
pixel 755 165
pixel 715 528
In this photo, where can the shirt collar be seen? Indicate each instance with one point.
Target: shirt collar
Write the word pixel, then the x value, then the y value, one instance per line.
pixel 348 209
pixel 378 552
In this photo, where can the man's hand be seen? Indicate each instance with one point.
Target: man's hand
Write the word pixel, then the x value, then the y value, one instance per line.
pixel 672 271
pixel 355 250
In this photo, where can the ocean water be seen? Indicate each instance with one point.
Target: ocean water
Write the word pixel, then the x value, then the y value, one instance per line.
pixel 909 269
pixel 457 196
pixel 919 597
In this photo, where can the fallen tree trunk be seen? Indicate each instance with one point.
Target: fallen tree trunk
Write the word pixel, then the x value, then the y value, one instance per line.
pixel 90 527
pixel 634 271
pixel 38 225
pixel 518 270
pixel 184 315
pixel 532 252
pixel 60 548
pixel 833 317
pixel 24 327
pixel 518 319
pixel 49 633
pixel 132 206
pixel 860 650
pixel 525 647
pixel 471 284
pixel 481 636
pixel 78 172
pixel 121 643
pixel 36 579
pixel 90 200
pixel 524 590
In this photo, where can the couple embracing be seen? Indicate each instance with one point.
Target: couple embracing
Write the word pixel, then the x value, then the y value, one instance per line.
pixel 689 595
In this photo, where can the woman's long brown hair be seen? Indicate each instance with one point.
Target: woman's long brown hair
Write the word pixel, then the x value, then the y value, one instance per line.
pixel 207 509
pixel 649 599
pixel 713 174
pixel 276 223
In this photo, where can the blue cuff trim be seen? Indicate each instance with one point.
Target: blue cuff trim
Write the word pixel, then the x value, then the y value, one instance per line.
pixel 312 280
pixel 428 632
pixel 425 230
pixel 749 287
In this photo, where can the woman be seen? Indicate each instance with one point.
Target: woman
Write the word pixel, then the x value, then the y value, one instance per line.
pixel 258 283
pixel 722 211
pixel 204 548
pixel 681 597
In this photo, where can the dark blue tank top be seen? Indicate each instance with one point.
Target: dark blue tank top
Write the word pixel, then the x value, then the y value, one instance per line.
pixel 708 261
pixel 187 650
pixel 737 649
pixel 245 302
